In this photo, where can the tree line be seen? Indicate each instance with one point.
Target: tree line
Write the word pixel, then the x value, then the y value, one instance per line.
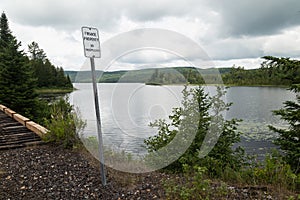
pixel 22 74
pixel 46 73
pixel 273 71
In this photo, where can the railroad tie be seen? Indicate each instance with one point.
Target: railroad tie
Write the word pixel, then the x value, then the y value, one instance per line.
pixel 13 134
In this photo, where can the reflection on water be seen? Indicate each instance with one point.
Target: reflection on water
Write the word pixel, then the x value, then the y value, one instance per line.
pixel 127 110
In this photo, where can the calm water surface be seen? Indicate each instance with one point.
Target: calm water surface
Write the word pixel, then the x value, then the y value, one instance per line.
pixel 127 110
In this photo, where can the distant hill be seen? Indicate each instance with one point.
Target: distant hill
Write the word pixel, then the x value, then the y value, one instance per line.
pixel 274 71
pixel 174 75
pixel 82 76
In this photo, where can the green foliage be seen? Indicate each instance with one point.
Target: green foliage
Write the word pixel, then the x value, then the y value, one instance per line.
pixel 36 53
pixel 284 68
pixel 273 171
pixel 194 185
pixel 273 71
pixel 17 83
pixel 193 120
pixel 289 139
pixel 65 125
pixel 169 75
pixel 6 36
pixel 19 76
pixel 41 111
pixel 48 76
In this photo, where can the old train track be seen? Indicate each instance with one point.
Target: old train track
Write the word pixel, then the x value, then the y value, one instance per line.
pixel 15 135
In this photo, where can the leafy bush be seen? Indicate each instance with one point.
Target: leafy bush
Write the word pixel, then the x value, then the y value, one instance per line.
pixel 64 124
pixel 272 171
pixel 198 116
pixel 193 184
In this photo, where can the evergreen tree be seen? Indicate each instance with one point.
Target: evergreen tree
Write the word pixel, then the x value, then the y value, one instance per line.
pixel 5 33
pixel 69 82
pixel 289 139
pixel 200 126
pixel 36 54
pixel 60 77
pixel 17 82
pixel 273 71
pixel 47 74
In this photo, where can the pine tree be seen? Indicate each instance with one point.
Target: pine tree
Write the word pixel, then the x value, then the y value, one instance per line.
pixel 5 33
pixel 36 54
pixel 17 82
pixel 200 126
pixel 289 139
pixel 46 73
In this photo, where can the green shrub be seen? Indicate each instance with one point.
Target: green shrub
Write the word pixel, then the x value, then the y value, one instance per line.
pixel 198 116
pixel 193 184
pixel 64 124
pixel 273 171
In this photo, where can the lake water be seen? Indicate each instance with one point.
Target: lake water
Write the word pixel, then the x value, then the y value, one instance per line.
pixel 128 108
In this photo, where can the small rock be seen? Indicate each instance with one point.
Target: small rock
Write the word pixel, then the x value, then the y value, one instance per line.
pixel 136 192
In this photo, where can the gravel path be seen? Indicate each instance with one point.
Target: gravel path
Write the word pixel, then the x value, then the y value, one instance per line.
pixel 47 172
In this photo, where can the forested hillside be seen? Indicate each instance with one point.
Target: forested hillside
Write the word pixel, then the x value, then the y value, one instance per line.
pixel 173 75
pixel 273 71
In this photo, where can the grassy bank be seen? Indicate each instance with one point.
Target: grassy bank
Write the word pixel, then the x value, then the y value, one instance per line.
pixel 54 90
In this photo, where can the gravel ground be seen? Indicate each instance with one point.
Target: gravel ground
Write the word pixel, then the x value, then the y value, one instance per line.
pixel 47 172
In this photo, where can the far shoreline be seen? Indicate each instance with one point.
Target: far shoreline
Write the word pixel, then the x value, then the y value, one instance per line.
pixel 190 84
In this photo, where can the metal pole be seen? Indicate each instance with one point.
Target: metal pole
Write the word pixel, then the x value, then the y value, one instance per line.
pixel 101 157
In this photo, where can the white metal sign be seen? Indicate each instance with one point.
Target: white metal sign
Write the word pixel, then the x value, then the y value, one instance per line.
pixel 92 50
pixel 91 42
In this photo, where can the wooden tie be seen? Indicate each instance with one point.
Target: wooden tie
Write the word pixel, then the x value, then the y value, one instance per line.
pixel 14 135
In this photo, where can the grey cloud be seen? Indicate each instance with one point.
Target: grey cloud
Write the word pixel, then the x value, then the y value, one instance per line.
pixel 235 48
pixel 65 14
pixel 256 17
pixel 70 14
pixel 157 9
pixel 223 36
pixel 170 42
pixel 236 18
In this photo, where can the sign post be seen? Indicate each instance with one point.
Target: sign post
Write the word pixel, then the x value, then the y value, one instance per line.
pixel 91 46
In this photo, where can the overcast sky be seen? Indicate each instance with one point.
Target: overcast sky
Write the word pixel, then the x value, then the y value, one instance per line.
pixel 230 31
